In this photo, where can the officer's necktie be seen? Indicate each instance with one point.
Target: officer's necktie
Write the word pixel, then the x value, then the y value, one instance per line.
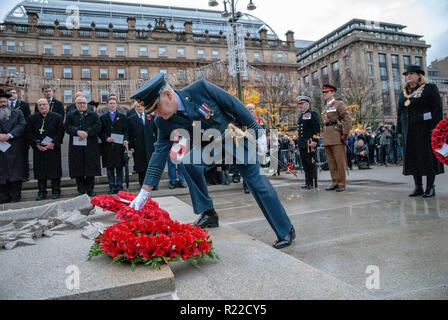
pixel 13 105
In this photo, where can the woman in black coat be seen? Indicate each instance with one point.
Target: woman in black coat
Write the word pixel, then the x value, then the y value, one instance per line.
pixel 419 111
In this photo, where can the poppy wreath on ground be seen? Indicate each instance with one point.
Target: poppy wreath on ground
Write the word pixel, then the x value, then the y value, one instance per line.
pixel 439 138
pixel 153 242
pixel 290 166
pixel 123 212
pixel 148 236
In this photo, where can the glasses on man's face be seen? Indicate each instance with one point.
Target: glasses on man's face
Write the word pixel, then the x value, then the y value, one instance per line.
pixel 81 103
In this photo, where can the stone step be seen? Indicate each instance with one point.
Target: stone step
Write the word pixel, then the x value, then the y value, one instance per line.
pixel 249 269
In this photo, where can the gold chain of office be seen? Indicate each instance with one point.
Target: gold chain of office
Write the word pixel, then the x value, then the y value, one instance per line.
pixel 409 96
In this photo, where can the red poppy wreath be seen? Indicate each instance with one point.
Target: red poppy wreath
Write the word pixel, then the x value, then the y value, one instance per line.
pixel 148 236
pixel 439 140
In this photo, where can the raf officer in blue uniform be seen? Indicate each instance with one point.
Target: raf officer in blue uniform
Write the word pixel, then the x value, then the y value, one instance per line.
pixel 308 129
pixel 214 108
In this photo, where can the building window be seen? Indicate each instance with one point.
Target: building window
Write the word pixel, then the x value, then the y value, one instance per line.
pixel 315 78
pixel 21 70
pixel 85 49
pixel 180 52
pixel 1 70
pixel 257 76
pixel 394 59
pixel 104 73
pixel 121 73
pixel 306 80
pixel 48 73
pixel 370 70
pixel 347 60
pixel 279 57
pixel 68 96
pixel 121 95
pixel 85 73
pixel 162 52
pixel 256 57
pixel 164 71
pixel 325 71
pixel 383 72
pixel 120 51
pixel 143 73
pixel 104 96
pixel 47 48
pixel 11 70
pixel 181 73
pixel 418 61
pixel 347 72
pixel 143 51
pixel 382 58
pixel 201 54
pixel 335 66
pixel 215 54
pixel 67 73
pixel 10 46
pixel 103 51
pixel 87 95
pixel 406 61
pixel 20 46
pixel 66 49
pixel 384 86
pixel 1 45
pixel 369 56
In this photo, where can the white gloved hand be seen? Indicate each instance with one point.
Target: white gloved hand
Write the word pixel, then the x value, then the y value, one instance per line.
pixel 140 200
pixel 262 145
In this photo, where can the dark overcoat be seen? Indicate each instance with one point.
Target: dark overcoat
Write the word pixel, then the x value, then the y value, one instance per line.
pixel 308 127
pixel 416 123
pixel 83 160
pixel 25 107
pixel 113 153
pixel 142 139
pixel 13 165
pixel 46 164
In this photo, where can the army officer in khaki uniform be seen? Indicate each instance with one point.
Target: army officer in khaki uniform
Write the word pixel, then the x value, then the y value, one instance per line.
pixel 337 125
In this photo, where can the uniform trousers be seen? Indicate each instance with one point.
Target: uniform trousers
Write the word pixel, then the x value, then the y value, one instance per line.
pixel 308 167
pixel 259 185
pixel 10 191
pixel 55 185
pixel 336 163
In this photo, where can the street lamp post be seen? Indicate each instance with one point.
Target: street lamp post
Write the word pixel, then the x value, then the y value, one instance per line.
pixel 234 51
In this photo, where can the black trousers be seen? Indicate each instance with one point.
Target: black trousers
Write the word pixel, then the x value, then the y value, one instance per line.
pixel 11 191
pixel 85 184
pixel 308 167
pixel 115 179
pixel 55 185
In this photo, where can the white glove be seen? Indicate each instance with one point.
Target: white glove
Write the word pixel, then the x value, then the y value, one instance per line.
pixel 262 145
pixel 140 200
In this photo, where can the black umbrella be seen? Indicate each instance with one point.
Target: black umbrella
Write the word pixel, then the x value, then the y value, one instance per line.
pixel 126 169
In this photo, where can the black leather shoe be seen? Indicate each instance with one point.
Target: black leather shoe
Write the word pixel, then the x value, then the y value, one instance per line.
pixel 246 189
pixel 180 184
pixel 330 188
pixel 310 187
pixel 278 244
pixel 208 219
pixel 340 189
pixel 91 194
pixel 172 186
pixel 155 188
pixel 41 196
pixel 418 191
pixel 55 195
pixel 429 192
pixel 305 186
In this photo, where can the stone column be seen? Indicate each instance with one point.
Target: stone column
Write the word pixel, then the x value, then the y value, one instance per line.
pixel 131 27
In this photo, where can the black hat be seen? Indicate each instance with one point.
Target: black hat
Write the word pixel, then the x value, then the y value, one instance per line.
pixel 3 94
pixel 93 103
pixel 147 95
pixel 414 68
pixel 328 87
pixel 301 99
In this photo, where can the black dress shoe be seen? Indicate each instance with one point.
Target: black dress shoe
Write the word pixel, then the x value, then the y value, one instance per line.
pixel 155 188
pixel 41 196
pixel 172 186
pixel 282 243
pixel 330 188
pixel 429 192
pixel 418 191
pixel 91 194
pixel 340 189
pixel 305 186
pixel 208 219
pixel 180 184
pixel 55 195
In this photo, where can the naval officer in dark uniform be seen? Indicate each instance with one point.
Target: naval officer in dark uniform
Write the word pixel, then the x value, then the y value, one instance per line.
pixel 203 103
pixel 308 129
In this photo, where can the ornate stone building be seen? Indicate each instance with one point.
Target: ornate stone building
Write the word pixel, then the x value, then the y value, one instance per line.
pixel 369 53
pixel 120 41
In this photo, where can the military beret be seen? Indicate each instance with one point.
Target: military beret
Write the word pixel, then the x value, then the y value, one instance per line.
pixel 414 68
pixel 147 95
pixel 301 99
pixel 328 87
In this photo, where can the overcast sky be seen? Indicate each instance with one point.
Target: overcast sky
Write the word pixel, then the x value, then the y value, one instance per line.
pixel 311 20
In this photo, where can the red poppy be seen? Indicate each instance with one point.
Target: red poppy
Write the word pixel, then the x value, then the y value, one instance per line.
pixel 148 117
pixel 7 118
pixel 85 113
pixel 118 118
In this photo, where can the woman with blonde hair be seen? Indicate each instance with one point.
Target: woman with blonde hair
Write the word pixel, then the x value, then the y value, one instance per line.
pixel 419 111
